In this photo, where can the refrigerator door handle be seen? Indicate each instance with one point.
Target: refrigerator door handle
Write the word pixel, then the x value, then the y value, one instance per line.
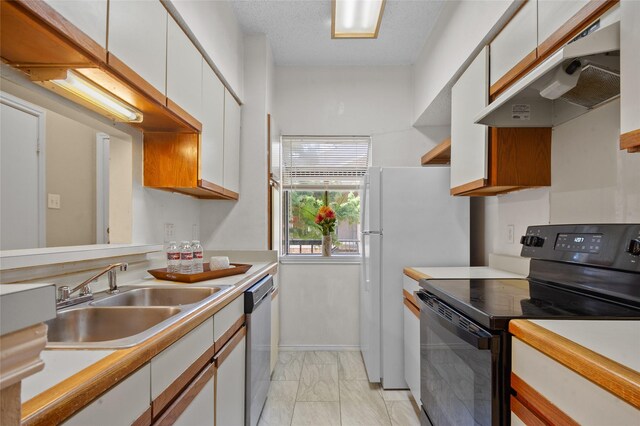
pixel 371 232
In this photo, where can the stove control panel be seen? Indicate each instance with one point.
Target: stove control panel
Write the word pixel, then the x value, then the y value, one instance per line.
pixel 614 246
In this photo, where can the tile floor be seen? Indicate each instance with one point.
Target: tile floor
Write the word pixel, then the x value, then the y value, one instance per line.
pixel 331 388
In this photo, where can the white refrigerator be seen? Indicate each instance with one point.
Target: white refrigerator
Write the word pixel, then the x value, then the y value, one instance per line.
pixel 408 219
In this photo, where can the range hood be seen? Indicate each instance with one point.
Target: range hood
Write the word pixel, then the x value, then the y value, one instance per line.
pixel 581 76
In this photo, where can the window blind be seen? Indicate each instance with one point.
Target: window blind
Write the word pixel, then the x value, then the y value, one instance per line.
pixel 314 162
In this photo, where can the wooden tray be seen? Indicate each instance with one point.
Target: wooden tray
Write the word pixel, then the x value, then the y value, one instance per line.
pixel 235 269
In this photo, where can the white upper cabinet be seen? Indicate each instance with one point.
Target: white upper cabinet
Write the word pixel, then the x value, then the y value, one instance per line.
pixel 212 138
pixel 629 66
pixel 516 40
pixel 231 143
pixel 469 141
pixel 90 16
pixel 184 71
pixel 138 37
pixel 553 14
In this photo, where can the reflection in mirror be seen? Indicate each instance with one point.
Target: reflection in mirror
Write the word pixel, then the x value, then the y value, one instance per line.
pixel 65 181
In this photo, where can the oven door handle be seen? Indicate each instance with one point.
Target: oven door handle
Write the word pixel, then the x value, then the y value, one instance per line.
pixel 480 340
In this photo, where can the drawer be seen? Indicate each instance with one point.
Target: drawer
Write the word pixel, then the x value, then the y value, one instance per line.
pixel 579 398
pixel 227 321
pixel 169 365
pixel 121 405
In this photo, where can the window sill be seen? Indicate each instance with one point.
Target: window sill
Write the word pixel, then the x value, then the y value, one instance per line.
pixel 310 259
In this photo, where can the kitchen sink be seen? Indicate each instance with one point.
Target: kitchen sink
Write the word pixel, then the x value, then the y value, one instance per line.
pixel 154 296
pixel 106 326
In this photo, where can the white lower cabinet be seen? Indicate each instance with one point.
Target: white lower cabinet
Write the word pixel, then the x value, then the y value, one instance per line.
pixel 580 399
pixel 275 327
pixel 412 343
pixel 199 400
pixel 230 381
pixel 167 366
pixel 121 405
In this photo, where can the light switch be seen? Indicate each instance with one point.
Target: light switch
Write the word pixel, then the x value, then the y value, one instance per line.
pixel 510 233
pixel 53 201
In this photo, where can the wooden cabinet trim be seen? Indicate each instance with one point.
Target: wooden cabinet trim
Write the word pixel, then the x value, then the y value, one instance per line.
pixel 415 275
pixel 440 154
pixel 178 407
pixel 184 115
pixel 174 389
pixel 231 195
pixel 527 416
pixel 576 24
pixel 274 293
pixel 144 419
pixel 630 140
pixel 411 298
pixel 229 333
pixel 462 189
pixel 413 308
pixel 518 70
pixel 134 79
pixel 537 405
pixel 616 378
pixel 58 23
pixel 231 345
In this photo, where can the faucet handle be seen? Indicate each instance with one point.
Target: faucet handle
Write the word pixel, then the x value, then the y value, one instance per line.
pixel 63 293
pixel 86 290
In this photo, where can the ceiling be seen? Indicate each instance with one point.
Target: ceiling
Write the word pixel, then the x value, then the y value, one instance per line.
pixel 299 32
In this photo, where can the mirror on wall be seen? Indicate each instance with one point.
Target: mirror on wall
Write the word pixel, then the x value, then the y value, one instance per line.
pixel 66 178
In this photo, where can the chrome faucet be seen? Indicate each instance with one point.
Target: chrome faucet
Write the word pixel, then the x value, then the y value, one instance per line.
pixel 84 288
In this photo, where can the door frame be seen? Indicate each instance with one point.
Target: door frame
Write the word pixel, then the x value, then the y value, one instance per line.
pixel 102 187
pixel 41 115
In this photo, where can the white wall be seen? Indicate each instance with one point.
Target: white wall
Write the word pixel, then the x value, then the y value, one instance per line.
pixel 592 181
pixel 462 29
pixel 216 28
pixel 320 302
pixel 242 224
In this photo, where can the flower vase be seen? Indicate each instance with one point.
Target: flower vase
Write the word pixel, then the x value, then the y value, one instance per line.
pixel 326 245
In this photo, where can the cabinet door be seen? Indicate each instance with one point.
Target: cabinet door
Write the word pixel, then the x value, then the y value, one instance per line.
pixel 196 403
pixel 231 143
pixel 516 42
pixel 230 381
pixel 184 71
pixel 212 138
pixel 121 405
pixel 469 141
pixel 138 37
pixel 412 351
pixel 629 72
pixel 553 14
pixel 90 16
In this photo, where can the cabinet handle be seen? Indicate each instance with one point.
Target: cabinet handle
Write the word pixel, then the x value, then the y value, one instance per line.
pixel 229 347
pixel 178 407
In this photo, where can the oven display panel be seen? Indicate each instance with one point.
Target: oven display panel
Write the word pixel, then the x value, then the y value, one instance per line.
pixel 580 243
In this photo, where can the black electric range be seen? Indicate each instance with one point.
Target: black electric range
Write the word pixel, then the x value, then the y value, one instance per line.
pixel 576 272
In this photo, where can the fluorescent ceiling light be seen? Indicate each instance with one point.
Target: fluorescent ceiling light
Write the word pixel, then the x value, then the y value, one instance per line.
pixel 96 97
pixel 356 18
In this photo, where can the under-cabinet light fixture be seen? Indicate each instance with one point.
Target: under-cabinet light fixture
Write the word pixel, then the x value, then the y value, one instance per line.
pixel 356 18
pixel 78 88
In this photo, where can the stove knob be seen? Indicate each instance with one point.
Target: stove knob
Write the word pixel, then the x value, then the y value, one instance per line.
pixel 634 247
pixel 536 241
pixel 523 240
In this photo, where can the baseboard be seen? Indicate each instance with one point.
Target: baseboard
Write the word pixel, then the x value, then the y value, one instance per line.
pixel 337 348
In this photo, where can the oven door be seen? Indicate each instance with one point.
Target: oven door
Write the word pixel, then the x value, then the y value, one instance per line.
pixel 459 364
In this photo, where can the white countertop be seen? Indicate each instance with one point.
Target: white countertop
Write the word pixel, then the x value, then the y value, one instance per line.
pixel 24 305
pixel 616 340
pixel 463 272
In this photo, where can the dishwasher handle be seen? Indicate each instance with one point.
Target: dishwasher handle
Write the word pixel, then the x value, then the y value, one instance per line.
pixel 255 295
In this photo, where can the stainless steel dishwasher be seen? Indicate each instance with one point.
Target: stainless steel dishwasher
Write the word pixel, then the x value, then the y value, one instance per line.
pixel 257 307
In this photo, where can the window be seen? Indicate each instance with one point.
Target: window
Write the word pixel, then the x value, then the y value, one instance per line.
pixel 319 170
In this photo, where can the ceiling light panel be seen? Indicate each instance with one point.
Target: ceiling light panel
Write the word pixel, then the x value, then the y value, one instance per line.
pixel 356 18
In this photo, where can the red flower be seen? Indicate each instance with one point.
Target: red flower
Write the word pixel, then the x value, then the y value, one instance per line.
pixel 319 218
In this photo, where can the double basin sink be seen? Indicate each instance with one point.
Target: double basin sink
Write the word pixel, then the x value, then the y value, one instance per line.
pixel 127 318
